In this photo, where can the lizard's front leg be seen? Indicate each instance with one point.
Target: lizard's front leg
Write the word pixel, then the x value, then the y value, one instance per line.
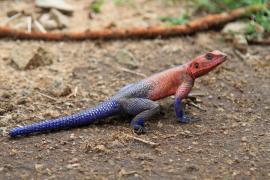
pixel 142 109
pixel 181 93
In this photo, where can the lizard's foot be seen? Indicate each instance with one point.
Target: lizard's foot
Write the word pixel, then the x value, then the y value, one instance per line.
pixel 185 119
pixel 139 129
pixel 138 126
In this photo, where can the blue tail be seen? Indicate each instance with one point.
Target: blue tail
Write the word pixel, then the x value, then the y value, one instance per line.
pixel 103 110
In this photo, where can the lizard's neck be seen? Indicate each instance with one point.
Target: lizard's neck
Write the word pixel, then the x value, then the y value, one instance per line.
pixel 186 67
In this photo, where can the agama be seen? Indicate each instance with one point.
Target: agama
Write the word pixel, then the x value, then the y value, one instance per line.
pixel 138 99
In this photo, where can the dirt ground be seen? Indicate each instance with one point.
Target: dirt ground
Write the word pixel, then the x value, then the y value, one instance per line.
pixel 230 140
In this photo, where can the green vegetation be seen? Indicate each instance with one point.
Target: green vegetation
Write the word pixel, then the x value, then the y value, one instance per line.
pixel 258 20
pixel 176 20
pixel 124 2
pixel 262 18
pixel 215 6
pixel 96 6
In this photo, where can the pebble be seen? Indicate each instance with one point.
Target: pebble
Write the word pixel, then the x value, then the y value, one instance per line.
pixel 73 166
pixel 235 28
pixel 56 4
pixel 56 87
pixel 117 144
pixel 39 167
pixel 101 148
pixel 145 157
pixel 61 19
pixel 72 136
pixel 31 57
pixel 244 139
pixel 127 59
pixel 74 160
pixel 47 22
pixel 240 42
pixel 192 168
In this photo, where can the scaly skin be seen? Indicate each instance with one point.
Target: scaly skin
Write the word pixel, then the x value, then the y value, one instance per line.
pixel 138 99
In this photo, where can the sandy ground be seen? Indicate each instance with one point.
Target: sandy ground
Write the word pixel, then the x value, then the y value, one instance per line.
pixel 230 140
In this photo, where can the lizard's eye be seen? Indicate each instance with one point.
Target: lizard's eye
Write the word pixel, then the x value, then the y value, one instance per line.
pixel 196 65
pixel 209 56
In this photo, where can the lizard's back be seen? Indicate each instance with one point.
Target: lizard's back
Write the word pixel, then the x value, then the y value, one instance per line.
pixel 154 87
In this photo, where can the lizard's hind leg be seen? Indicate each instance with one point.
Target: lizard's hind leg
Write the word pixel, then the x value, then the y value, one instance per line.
pixel 142 109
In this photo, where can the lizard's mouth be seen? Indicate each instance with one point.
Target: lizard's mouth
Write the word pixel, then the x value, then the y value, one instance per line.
pixel 221 59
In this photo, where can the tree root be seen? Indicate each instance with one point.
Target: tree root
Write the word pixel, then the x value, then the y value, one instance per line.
pixel 194 26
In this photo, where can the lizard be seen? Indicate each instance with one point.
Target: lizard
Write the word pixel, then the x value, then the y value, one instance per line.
pixel 138 99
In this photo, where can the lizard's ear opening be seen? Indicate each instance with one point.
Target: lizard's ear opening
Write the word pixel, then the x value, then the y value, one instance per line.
pixel 196 65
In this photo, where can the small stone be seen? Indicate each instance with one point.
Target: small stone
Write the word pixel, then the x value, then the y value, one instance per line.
pixel 244 139
pixel 13 152
pixel 240 43
pixel 74 160
pixel 57 4
pixel 60 18
pixel 31 57
pixel 159 125
pixel 73 166
pixel 47 22
pixel 235 28
pixel 126 58
pixel 72 136
pixel 145 157
pixel 101 148
pixel 39 167
pixel 56 87
pixel 117 144
pixel 192 168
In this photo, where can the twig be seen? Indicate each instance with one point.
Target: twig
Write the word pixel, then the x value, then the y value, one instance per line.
pixel 29 24
pixel 74 92
pixel 9 19
pixel 200 24
pixel 240 55
pixel 196 94
pixel 132 72
pixel 39 26
pixel 47 96
pixel 143 140
pixel 196 106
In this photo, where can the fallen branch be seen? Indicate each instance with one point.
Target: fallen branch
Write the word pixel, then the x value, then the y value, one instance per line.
pixel 132 72
pixel 196 106
pixel 200 24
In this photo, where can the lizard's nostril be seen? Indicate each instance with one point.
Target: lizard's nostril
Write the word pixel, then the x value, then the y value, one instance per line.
pixel 224 56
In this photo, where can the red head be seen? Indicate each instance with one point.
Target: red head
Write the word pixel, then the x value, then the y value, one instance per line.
pixel 203 64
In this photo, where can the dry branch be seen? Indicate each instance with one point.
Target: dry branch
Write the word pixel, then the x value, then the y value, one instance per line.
pixel 143 140
pixel 200 24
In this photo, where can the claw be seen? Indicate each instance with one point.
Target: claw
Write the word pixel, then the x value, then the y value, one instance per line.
pixel 185 119
pixel 138 129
